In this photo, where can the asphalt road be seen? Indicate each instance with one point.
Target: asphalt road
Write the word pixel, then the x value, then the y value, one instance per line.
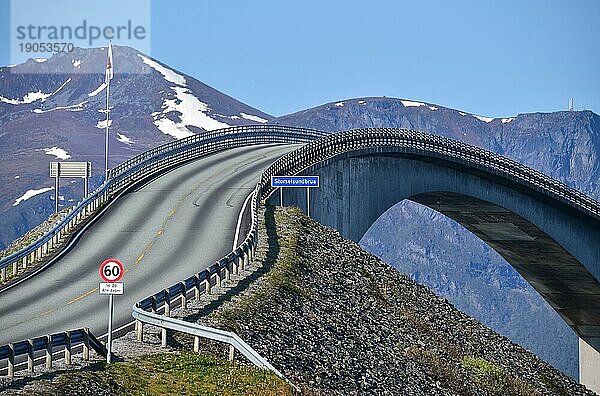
pixel 163 232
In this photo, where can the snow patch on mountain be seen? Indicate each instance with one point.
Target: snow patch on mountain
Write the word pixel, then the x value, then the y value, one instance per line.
pixel 409 103
pixel 98 90
pixel 30 194
pixel 253 118
pixel 339 104
pixel 233 117
pixel 77 63
pixel 124 139
pixel 75 107
pixel 40 60
pixel 432 108
pixel 484 119
pixel 57 152
pixel 33 96
pixel 193 113
pixel 102 124
pixel 28 98
pixel 507 120
pixel 168 74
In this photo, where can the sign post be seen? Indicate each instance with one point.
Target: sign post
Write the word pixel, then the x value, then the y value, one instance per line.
pixel 111 271
pixel 295 181
pixel 70 170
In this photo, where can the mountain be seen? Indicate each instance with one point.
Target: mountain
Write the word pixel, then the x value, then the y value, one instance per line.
pixel 443 255
pixel 54 109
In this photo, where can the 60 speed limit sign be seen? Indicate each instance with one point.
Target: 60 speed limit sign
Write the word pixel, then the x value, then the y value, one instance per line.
pixel 111 270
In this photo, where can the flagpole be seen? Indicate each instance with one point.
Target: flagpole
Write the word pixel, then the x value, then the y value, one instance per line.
pixel 106 134
pixel 107 117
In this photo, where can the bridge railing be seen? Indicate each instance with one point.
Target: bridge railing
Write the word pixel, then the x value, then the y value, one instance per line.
pixel 403 141
pixel 145 165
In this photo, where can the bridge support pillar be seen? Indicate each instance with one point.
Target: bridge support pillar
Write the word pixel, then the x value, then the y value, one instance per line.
pixel 589 363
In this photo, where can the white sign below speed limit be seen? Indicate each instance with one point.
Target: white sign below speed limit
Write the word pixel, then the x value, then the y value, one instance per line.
pixel 111 270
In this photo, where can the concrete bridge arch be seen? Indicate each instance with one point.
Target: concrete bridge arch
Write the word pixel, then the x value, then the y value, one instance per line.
pixel 553 244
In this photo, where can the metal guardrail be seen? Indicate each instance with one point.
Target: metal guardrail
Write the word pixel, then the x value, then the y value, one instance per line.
pixel 403 141
pixel 67 340
pixel 147 164
pixel 198 331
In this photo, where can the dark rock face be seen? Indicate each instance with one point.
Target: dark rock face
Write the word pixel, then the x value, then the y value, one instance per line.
pixel 422 243
pixel 336 320
pixel 61 103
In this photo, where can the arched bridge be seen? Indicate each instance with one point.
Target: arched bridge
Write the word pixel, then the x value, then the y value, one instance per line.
pixel 547 231
pixel 184 197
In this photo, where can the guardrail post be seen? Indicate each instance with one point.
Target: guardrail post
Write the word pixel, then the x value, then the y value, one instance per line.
pixel 86 343
pixel 196 344
pixel 208 285
pixel 49 352
pixel 183 296
pixel 25 262
pixel 10 370
pixel 231 353
pixel 239 262
pixel 3 274
pixel 14 269
pixel 167 311
pixel 219 278
pixel 196 288
pixel 68 348
pixel 139 330
pixel 246 259
pixel 228 268
pixel 30 356
pixel 163 338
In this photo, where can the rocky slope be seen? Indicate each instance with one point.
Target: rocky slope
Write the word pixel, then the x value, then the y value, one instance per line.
pixel 55 110
pixel 336 320
pixel 420 242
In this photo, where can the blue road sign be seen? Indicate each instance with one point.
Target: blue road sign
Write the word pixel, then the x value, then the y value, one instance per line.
pixel 294 181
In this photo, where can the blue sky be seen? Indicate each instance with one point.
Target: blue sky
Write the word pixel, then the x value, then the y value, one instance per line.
pixel 282 56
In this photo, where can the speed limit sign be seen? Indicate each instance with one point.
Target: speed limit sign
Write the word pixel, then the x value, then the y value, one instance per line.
pixel 111 270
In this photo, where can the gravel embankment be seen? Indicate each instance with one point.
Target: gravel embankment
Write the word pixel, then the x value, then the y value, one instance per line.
pixel 337 320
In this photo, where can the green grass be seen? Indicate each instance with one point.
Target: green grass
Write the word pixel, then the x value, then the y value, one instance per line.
pixel 284 272
pixel 182 373
pixel 494 379
pixel 439 367
pixel 554 387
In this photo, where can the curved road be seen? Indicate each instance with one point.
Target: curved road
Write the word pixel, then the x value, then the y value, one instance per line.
pixel 163 232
